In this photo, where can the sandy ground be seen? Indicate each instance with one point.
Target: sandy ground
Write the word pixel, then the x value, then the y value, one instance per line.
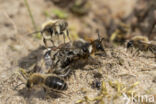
pixel 20 50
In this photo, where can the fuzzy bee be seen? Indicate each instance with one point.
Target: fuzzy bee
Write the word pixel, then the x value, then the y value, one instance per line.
pixel 70 55
pixel 60 60
pixel 63 59
pixel 47 81
pixel 142 43
pixel 53 28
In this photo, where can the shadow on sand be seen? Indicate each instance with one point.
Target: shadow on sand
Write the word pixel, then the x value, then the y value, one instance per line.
pixel 32 58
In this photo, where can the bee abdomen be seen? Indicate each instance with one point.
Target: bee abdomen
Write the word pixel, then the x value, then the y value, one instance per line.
pixel 56 83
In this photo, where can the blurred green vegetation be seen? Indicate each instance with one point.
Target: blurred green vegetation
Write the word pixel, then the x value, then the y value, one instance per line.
pixel 60 13
pixel 80 7
pixel 46 13
pixel 37 35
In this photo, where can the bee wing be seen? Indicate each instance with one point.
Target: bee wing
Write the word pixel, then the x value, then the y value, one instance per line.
pixel 145 42
pixel 152 48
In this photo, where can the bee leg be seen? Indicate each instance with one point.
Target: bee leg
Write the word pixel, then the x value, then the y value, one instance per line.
pixel 57 31
pixel 58 92
pixel 137 52
pixel 21 76
pixel 52 42
pixel 51 93
pixel 58 38
pixel 131 50
pixel 66 74
pixel 57 34
pixel 154 52
pixel 45 42
pixel 74 75
pixel 46 93
pixel 15 88
pixel 104 54
pixel 67 33
pixel 24 74
pixel 64 38
pixel 155 56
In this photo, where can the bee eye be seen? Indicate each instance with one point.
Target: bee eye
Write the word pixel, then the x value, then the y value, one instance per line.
pixel 84 50
pixel 129 44
pixel 99 46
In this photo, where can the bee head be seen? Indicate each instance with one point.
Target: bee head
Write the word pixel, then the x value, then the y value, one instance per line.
pixel 97 44
pixel 130 44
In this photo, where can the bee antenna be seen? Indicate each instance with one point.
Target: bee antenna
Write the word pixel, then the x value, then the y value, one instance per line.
pixel 23 73
pixel 98 32
pixel 40 31
pixel 102 39
pixel 18 86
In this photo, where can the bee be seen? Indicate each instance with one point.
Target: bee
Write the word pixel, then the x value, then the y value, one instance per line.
pixel 97 45
pixel 47 81
pixel 70 55
pixel 53 28
pixel 141 43
pixel 135 42
pixel 63 59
